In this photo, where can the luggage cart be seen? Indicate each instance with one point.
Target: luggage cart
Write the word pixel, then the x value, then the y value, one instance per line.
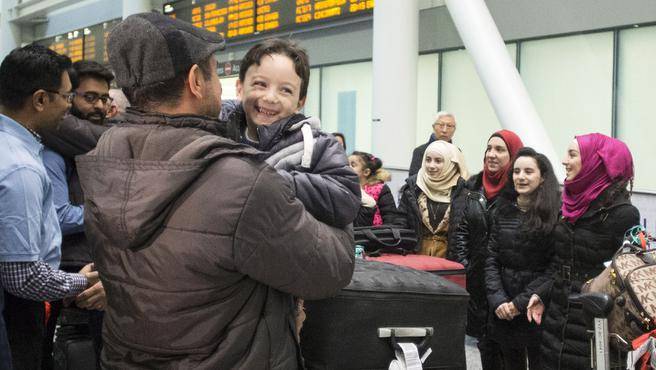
pixel 599 306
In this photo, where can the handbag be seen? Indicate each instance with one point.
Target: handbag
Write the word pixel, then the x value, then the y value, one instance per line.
pixel 630 281
pixel 386 239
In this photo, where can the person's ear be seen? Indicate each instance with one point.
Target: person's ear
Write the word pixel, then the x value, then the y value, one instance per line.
pixel 196 81
pixel 301 103
pixel 240 88
pixel 366 172
pixel 40 99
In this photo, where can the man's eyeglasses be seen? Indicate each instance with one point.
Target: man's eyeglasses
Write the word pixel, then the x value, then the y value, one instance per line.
pixel 92 98
pixel 67 96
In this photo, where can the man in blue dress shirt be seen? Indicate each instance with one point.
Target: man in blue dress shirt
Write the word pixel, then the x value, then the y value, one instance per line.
pixel 35 92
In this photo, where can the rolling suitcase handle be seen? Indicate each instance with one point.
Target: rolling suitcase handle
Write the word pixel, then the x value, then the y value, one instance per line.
pixel 599 306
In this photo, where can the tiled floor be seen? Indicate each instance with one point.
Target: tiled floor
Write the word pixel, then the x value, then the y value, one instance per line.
pixel 471 352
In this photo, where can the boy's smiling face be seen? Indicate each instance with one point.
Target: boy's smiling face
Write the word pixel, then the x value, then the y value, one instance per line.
pixel 270 91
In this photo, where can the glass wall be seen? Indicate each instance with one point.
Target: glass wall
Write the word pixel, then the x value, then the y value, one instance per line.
pixel 636 93
pixel 570 80
pixel 464 96
pixel 345 83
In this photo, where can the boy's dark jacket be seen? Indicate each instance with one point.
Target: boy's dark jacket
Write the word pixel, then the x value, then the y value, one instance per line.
pixel 323 180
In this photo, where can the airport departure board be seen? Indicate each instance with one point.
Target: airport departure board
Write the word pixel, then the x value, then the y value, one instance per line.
pixel 243 18
pixel 89 43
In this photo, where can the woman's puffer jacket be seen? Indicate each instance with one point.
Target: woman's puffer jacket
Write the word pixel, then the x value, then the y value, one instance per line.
pixel 515 268
pixel 581 249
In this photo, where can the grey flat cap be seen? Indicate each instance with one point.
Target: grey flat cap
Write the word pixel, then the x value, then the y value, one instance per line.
pixel 147 48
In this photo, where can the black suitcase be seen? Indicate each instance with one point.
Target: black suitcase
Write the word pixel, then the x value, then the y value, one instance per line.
pixel 343 332
pixel 73 347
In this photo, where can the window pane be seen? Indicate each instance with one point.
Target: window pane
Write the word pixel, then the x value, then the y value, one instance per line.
pixel 464 96
pixel 570 81
pixel 347 79
pixel 636 93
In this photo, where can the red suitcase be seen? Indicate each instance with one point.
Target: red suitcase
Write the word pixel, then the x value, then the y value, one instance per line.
pixel 449 270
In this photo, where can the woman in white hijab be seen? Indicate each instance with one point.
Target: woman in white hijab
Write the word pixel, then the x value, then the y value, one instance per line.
pixel 426 197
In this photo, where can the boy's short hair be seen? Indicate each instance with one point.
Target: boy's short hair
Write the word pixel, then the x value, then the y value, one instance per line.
pixel 273 46
pixel 88 68
pixel 28 69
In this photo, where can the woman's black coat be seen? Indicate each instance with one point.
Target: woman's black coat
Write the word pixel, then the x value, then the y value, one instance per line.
pixel 581 249
pixel 516 266
pixel 468 246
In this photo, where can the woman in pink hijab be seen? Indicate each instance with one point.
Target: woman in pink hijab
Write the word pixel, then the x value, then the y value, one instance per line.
pixel 596 212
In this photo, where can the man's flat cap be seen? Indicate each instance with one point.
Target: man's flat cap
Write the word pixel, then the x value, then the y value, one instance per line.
pixel 147 48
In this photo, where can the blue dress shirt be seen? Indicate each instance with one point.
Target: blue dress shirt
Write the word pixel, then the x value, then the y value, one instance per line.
pixel 71 216
pixel 29 229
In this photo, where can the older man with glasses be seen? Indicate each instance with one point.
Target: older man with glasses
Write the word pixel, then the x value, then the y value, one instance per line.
pixel 444 127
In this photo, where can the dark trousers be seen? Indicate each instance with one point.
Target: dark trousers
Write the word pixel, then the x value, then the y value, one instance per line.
pixel 26 330
pixel 516 358
pixel 5 353
pixel 95 319
pixel 95 329
pixel 491 358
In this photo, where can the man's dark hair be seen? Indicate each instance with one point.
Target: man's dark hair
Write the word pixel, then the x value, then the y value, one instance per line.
pixel 542 214
pixel 270 47
pixel 165 92
pixel 88 68
pixel 28 69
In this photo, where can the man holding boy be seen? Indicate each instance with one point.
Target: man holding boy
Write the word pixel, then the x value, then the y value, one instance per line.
pixel 200 244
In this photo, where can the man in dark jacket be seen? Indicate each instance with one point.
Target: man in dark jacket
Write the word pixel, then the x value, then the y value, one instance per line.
pixel 444 127
pixel 90 106
pixel 200 243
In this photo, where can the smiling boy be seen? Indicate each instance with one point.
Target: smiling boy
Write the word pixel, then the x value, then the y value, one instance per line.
pixel 272 88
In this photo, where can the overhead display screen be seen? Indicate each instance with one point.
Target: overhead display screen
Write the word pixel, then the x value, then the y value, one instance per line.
pixel 89 43
pixel 243 18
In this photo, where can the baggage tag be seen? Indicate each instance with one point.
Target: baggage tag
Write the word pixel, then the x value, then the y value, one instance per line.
pixel 407 358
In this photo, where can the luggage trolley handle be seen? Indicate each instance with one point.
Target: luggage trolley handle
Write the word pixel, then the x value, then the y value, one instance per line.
pixel 599 306
pixel 407 332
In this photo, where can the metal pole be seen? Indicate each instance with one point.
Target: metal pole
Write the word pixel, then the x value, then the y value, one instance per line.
pixel 500 78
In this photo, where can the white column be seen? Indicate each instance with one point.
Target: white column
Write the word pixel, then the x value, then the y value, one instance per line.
pixel 394 108
pixel 499 76
pixel 9 32
pixel 136 6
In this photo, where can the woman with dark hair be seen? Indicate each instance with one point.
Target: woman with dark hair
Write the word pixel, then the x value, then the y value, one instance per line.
pixel 596 212
pixel 519 251
pixel 427 196
pixel 378 206
pixel 468 242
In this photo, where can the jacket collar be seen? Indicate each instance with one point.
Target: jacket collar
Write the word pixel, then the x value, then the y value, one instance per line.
pixel 205 123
